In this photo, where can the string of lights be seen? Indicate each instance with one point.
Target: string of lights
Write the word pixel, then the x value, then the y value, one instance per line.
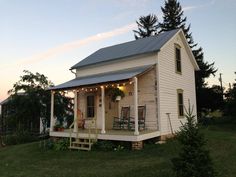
pixel 94 89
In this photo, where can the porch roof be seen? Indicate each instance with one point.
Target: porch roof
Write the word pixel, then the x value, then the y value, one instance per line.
pixel 102 78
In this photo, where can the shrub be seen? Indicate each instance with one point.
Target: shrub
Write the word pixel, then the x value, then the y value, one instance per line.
pixel 61 144
pixel 19 138
pixel 194 159
pixel 111 145
pixel 104 145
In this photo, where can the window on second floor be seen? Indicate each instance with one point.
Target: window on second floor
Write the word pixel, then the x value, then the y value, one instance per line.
pixel 178 66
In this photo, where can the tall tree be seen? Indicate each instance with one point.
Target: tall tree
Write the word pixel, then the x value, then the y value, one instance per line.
pixel 147 26
pixel 212 98
pixel 231 101
pixel 30 101
pixel 173 18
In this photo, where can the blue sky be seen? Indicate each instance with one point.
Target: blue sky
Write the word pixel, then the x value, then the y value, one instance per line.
pixel 49 36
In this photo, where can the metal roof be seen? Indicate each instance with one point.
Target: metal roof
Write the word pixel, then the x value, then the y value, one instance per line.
pixel 5 101
pixel 8 98
pixel 128 49
pixel 102 78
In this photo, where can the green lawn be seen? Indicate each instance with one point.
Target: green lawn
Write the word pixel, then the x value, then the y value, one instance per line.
pixel 28 160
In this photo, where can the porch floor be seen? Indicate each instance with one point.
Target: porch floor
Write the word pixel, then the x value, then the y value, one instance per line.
pixel 118 135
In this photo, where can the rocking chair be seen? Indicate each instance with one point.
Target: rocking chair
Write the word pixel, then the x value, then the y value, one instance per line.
pixel 141 118
pixel 123 121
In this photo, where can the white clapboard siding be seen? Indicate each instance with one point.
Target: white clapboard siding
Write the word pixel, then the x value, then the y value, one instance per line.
pixel 170 81
pixel 129 62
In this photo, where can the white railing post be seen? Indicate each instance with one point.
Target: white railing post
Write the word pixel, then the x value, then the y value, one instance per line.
pixel 136 132
pixel 103 109
pixel 75 111
pixel 52 121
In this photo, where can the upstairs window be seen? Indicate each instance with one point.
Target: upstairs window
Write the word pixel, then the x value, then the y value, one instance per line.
pixel 178 59
pixel 180 100
pixel 90 106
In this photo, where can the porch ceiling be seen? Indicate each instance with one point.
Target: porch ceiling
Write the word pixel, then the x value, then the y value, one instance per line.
pixel 102 78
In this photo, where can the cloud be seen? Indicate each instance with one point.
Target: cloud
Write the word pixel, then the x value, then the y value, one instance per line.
pixel 187 8
pixel 210 3
pixel 74 45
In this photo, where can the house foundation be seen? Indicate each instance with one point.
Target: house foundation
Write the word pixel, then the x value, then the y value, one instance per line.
pixel 137 145
pixel 165 137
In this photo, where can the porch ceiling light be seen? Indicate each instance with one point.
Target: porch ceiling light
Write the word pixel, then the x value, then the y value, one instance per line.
pixel 121 88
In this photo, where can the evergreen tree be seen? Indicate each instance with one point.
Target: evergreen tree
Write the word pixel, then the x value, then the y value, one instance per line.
pixel 173 19
pixel 147 26
pixel 194 159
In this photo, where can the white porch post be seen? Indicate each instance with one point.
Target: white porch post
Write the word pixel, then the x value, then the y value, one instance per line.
pixel 75 111
pixel 103 109
pixel 52 122
pixel 136 132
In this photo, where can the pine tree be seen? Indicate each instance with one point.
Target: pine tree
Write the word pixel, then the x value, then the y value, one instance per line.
pixel 194 159
pixel 173 19
pixel 147 26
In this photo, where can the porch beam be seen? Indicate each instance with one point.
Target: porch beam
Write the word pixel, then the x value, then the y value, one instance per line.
pixel 103 131
pixel 52 121
pixel 136 132
pixel 75 111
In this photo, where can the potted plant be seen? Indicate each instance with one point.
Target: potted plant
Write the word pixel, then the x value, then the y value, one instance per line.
pixel 59 128
pixel 116 94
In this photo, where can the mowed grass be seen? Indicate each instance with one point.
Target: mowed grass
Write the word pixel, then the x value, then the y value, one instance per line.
pixel 28 160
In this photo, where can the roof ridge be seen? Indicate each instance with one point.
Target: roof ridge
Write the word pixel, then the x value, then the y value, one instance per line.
pixel 145 38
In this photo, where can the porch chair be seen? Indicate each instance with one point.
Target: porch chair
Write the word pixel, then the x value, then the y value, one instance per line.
pixel 123 121
pixel 141 118
pixel 80 119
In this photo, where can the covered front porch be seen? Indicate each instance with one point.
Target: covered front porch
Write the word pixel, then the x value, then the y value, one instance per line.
pixel 95 112
pixel 115 135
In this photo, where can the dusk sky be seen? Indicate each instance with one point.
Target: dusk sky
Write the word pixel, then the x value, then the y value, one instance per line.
pixel 49 36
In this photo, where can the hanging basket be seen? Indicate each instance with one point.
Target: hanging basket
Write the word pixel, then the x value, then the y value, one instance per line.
pixel 115 94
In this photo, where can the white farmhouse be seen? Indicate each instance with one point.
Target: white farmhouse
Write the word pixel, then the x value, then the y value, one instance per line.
pixel 156 75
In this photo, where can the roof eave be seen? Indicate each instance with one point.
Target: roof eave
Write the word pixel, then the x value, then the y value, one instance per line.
pixel 113 60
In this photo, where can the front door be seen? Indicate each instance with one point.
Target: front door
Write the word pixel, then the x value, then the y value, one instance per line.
pixel 111 111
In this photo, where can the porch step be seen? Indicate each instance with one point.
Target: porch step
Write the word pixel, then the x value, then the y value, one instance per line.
pixel 78 143
pixel 82 144
pixel 80 148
